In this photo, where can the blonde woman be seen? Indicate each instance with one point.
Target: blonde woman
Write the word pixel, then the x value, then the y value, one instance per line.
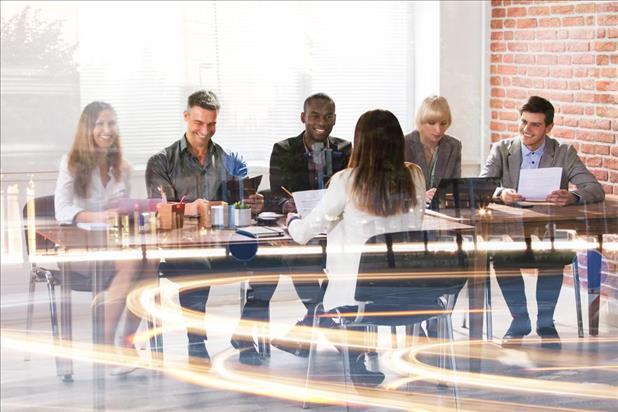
pixel 92 176
pixel 437 154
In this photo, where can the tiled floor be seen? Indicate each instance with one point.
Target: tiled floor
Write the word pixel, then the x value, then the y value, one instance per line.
pixel 591 365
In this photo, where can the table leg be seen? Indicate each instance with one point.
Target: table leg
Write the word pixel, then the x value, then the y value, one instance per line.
pixel 98 333
pixel 65 366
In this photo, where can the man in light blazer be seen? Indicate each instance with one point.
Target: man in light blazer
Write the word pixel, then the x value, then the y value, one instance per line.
pixel 531 149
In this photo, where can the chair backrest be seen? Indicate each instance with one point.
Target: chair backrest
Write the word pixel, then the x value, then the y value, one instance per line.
pixel 395 265
pixel 43 208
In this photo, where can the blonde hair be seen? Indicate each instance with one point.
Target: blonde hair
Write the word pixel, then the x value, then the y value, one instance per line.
pixel 434 108
pixel 83 157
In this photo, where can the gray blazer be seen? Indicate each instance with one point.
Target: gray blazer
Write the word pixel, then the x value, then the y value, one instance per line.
pixel 448 164
pixel 504 161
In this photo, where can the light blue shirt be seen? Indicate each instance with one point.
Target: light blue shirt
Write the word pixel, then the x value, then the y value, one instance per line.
pixel 531 159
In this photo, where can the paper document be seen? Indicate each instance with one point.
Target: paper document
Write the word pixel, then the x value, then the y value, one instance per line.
pixel 536 184
pixel 93 226
pixel 306 200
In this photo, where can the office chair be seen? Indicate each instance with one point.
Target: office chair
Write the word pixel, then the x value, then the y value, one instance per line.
pixel 386 282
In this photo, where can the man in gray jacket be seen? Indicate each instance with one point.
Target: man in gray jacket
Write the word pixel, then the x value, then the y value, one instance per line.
pixel 532 149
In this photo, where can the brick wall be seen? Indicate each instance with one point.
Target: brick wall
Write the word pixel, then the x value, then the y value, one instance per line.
pixel 567 52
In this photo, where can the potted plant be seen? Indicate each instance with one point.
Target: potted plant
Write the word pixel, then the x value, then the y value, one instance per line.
pixel 242 214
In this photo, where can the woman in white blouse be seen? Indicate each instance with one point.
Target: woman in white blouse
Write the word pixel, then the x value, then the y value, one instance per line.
pixel 93 175
pixel 378 193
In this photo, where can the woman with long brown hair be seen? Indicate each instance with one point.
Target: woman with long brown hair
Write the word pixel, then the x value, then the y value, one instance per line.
pixel 378 193
pixel 91 178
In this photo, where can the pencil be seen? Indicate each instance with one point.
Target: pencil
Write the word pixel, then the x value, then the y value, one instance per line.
pixel 287 191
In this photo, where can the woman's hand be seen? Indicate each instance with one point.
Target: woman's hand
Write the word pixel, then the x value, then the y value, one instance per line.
pixel 256 202
pixel 430 194
pixel 291 216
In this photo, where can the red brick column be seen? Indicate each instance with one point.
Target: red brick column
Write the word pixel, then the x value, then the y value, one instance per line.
pixel 567 52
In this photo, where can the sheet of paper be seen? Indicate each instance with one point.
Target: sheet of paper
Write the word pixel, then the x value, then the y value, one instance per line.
pixel 93 227
pixel 306 200
pixel 536 184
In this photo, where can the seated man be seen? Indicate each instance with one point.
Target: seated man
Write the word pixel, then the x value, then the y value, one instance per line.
pixel 195 168
pixel 533 148
pixel 304 162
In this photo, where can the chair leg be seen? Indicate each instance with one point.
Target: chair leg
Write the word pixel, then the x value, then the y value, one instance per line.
pixel 371 338
pixel 488 307
pixel 30 309
pixel 53 313
pixel 451 338
pixel 578 299
pixel 312 350
pixel 347 373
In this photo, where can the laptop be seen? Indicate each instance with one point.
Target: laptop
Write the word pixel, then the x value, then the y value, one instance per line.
pixel 464 193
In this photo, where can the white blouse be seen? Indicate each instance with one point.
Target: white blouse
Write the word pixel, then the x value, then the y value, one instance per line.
pixel 348 228
pixel 68 204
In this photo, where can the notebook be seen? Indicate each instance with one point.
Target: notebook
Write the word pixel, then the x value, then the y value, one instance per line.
pixel 260 231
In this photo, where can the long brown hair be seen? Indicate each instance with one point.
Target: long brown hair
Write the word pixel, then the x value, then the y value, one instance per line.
pixel 83 156
pixel 382 184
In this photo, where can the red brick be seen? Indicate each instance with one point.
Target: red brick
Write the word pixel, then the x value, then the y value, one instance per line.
pixel 498 12
pixel 497 46
pixel 593 72
pixel 522 82
pixel 582 34
pixel 593 161
pixel 606 7
pixel 510 23
pixel 572 109
pixel 594 124
pixel 538 71
pixel 572 21
pixel 497 35
pixel 607 20
pixel 535 47
pixel 595 149
pixel 563 35
pixel 506 81
pixel 606 98
pixel 600 174
pixel 584 97
pixel 584 8
pixel 517 46
pixel 592 136
pixel 511 116
pixel 610 72
pixel 526 23
pixel 613 177
pixel 497 24
pixel 497 92
pixel 600 33
pixel 496 3
pixel 607 111
pixel 614 151
pixel 564 59
pixel 590 21
pixel 570 122
pixel 563 133
pixel 609 46
pixel 495 80
pixel 508 58
pixel 524 35
pixel 538 11
pixel 516 94
pixel 553 47
pixel 602 60
pixel 548 59
pixel 511 104
pixel 557 96
pixel 561 72
pixel 579 46
pixel 611 163
pixel 607 86
pixel 508 35
pixel 506 69
pixel 589 110
pixel 495 103
pixel 516 12
pixel 524 59
pixel 580 72
pixel 614 59
pixel 562 9
pixel 549 22
pixel 612 33
pixel 497 126
pixel 513 128
pixel 494 114
pixel 539 83
pixel 587 84
pixel 496 58
pixel 582 59
pixel 557 84
pixel 545 34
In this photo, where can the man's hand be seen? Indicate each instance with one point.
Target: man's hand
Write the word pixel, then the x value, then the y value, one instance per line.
pixel 289 206
pixel 510 196
pixel 290 217
pixel 430 194
pixel 256 202
pixel 561 197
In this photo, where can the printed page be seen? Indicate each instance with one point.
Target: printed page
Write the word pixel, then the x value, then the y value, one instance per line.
pixel 536 184
pixel 306 200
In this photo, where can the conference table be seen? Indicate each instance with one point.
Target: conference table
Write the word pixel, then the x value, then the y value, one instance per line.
pixel 72 243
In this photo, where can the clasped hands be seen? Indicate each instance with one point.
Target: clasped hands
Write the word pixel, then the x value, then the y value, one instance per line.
pixel 560 197
pixel 256 201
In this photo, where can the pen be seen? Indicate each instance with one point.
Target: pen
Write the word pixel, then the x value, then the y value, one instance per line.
pixel 287 191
